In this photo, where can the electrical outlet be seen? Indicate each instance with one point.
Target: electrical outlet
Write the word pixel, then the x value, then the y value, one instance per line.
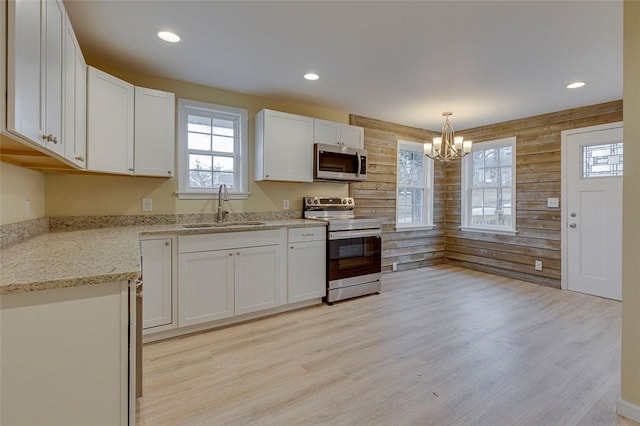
pixel 147 204
pixel 394 266
pixel 285 204
pixel 27 209
pixel 538 265
pixel 553 202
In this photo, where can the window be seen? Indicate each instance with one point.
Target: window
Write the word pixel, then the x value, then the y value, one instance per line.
pixel 414 200
pixel 212 149
pixel 604 160
pixel 488 187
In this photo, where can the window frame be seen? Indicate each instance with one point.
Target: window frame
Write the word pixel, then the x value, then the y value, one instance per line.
pixel 427 180
pixel 467 187
pixel 240 155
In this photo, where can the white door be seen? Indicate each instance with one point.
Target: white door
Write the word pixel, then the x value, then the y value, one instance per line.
pixel 593 210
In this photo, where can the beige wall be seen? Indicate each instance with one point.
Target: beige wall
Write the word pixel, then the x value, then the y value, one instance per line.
pixel 631 208
pixel 17 185
pixel 68 194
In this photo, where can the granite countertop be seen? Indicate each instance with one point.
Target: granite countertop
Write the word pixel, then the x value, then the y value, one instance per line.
pixel 74 258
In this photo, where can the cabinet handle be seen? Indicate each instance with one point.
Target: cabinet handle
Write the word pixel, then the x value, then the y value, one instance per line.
pixel 291 247
pixel 80 158
pixel 238 254
pixel 169 172
pixel 131 169
pixel 166 243
pixel 230 254
pixel 50 138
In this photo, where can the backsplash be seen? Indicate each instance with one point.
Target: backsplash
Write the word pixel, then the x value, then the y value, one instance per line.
pixel 107 221
pixel 12 232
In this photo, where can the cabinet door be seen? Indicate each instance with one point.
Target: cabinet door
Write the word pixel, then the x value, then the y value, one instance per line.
pixel 306 270
pixel 352 136
pixel 154 132
pixel 326 132
pixel 109 123
pixel 157 282
pixel 287 153
pixel 257 283
pixel 54 39
pixel 205 286
pixel 330 132
pixel 24 69
pixel 75 99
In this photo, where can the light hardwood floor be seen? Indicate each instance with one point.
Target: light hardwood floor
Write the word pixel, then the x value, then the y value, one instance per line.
pixel 440 346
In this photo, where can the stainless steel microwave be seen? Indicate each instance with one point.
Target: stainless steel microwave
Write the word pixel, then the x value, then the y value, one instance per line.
pixel 335 162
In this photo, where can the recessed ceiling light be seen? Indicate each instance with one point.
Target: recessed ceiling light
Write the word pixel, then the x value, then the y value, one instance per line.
pixel 311 76
pixel 169 36
pixel 576 85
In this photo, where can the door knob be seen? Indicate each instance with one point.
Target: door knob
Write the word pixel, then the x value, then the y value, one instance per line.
pixel 572 225
pixel 573 214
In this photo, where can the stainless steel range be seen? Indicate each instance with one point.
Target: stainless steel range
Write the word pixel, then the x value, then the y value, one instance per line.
pixel 354 255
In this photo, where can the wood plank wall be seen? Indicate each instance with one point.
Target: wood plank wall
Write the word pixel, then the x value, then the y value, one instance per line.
pixel 377 196
pixel 538 165
pixel 537 178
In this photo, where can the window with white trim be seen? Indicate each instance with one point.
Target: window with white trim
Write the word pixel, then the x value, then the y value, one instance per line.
pixel 414 195
pixel 489 187
pixel 212 149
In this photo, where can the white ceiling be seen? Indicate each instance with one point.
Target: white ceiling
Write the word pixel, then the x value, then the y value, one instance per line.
pixel 404 62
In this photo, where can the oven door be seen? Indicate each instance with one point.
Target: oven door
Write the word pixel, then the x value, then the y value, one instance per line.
pixel 353 257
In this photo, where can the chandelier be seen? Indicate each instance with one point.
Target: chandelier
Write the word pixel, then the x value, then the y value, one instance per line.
pixel 448 147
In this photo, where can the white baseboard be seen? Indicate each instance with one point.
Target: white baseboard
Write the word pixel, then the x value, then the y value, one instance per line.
pixel 629 410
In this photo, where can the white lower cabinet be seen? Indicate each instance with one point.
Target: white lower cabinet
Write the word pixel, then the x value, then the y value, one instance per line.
pixel 306 264
pixel 205 286
pixel 257 279
pixel 194 282
pixel 64 356
pixel 158 290
pixel 227 274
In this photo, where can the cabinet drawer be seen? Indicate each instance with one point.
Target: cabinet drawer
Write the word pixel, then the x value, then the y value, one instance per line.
pixel 297 235
pixel 228 240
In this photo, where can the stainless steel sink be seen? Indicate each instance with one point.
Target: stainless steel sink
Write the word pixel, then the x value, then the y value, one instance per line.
pixel 221 224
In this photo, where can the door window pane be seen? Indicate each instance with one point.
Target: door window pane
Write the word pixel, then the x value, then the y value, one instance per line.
pixel 605 160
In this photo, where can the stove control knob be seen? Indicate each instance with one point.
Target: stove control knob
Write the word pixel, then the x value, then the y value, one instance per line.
pixel 308 200
pixel 344 201
pixel 315 201
pixel 350 201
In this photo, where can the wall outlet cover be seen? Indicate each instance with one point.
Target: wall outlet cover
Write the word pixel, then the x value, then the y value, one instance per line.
pixel 538 265
pixel 147 204
pixel 553 202
pixel 285 204
pixel 27 209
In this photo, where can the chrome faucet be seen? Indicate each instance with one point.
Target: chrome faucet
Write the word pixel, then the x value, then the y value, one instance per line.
pixel 221 212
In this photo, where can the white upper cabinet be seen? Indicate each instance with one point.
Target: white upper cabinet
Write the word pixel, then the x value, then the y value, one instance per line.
pixel 154 132
pixel 35 68
pixel 110 123
pixel 330 132
pixel 75 100
pixel 131 130
pixel 284 147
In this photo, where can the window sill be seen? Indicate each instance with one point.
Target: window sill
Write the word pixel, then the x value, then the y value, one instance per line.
pixel 488 230
pixel 415 227
pixel 211 195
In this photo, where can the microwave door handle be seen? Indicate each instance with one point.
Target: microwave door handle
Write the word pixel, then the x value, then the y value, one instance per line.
pixel 359 164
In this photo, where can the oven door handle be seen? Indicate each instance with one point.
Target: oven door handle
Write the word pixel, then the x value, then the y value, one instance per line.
pixel 359 164
pixel 341 235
